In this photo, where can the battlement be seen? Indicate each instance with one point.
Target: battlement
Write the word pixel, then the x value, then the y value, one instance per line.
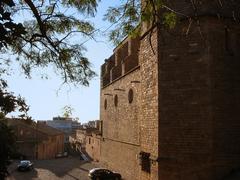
pixel 123 60
pixel 223 8
pixel 188 8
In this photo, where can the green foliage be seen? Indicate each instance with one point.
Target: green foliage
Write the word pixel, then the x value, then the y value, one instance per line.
pixel 67 111
pixel 45 37
pixel 130 13
pixel 7 147
pixel 9 102
pixel 84 6
pixel 169 20
pixel 124 18
pixel 8 29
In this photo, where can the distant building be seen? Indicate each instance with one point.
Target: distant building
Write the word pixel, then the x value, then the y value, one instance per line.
pixel 93 145
pixel 37 140
pixel 93 124
pixel 87 140
pixel 67 125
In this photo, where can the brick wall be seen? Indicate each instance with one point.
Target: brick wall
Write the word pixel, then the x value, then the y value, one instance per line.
pixel 198 104
pixel 121 157
pixel 188 101
pixel 124 59
pixel 185 129
pixel 225 76
pixel 221 8
pixel 81 137
pixel 93 146
pixel 149 116
pixel 120 145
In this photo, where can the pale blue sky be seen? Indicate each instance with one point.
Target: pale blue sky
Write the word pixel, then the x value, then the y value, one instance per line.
pixel 47 97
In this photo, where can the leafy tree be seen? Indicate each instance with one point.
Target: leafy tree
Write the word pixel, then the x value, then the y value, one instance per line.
pixel 46 36
pixel 67 111
pixel 7 147
pixel 39 34
pixel 126 17
pixel 9 102
pixel 43 38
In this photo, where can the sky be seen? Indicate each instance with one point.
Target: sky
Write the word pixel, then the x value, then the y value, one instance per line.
pixel 47 97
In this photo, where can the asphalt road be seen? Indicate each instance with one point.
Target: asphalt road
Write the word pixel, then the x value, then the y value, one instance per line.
pixel 70 168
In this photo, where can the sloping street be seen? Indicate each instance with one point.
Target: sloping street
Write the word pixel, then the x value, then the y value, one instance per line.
pixel 70 168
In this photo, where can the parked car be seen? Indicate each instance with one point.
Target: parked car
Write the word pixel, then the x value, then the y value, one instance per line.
pixel 103 174
pixel 25 165
pixel 61 154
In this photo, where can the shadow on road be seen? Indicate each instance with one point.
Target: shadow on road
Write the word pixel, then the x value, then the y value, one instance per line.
pixel 63 168
pixel 60 167
pixel 23 175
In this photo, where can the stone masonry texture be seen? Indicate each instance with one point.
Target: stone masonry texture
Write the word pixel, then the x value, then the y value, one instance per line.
pixel 186 97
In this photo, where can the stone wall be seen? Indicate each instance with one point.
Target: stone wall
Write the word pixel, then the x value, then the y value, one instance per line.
pixel 218 9
pixel 124 59
pixel 121 157
pixel 93 146
pixel 199 100
pixel 184 124
pixel 185 129
pixel 225 78
pixel 120 116
pixel 149 116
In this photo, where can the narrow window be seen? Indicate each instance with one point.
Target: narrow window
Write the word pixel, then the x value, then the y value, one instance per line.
pixel 105 104
pixel 130 96
pixel 115 100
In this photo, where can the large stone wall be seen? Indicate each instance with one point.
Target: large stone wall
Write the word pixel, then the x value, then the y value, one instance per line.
pixel 185 129
pixel 123 60
pixel 191 8
pixel 224 38
pixel 149 116
pixel 121 157
pixel 199 100
pixel 185 120
pixel 120 145
pixel 93 146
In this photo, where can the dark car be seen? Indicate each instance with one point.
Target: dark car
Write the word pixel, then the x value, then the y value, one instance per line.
pixel 61 155
pixel 25 165
pixel 103 174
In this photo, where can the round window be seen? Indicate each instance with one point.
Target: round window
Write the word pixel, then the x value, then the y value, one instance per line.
pixel 116 100
pixel 130 96
pixel 105 104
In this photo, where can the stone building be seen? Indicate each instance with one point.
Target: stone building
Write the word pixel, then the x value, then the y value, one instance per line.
pixel 93 145
pixel 67 125
pixel 170 98
pixel 87 142
pixel 37 141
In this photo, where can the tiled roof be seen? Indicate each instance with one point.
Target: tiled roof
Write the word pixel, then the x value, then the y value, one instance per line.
pixel 41 127
pixel 48 130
